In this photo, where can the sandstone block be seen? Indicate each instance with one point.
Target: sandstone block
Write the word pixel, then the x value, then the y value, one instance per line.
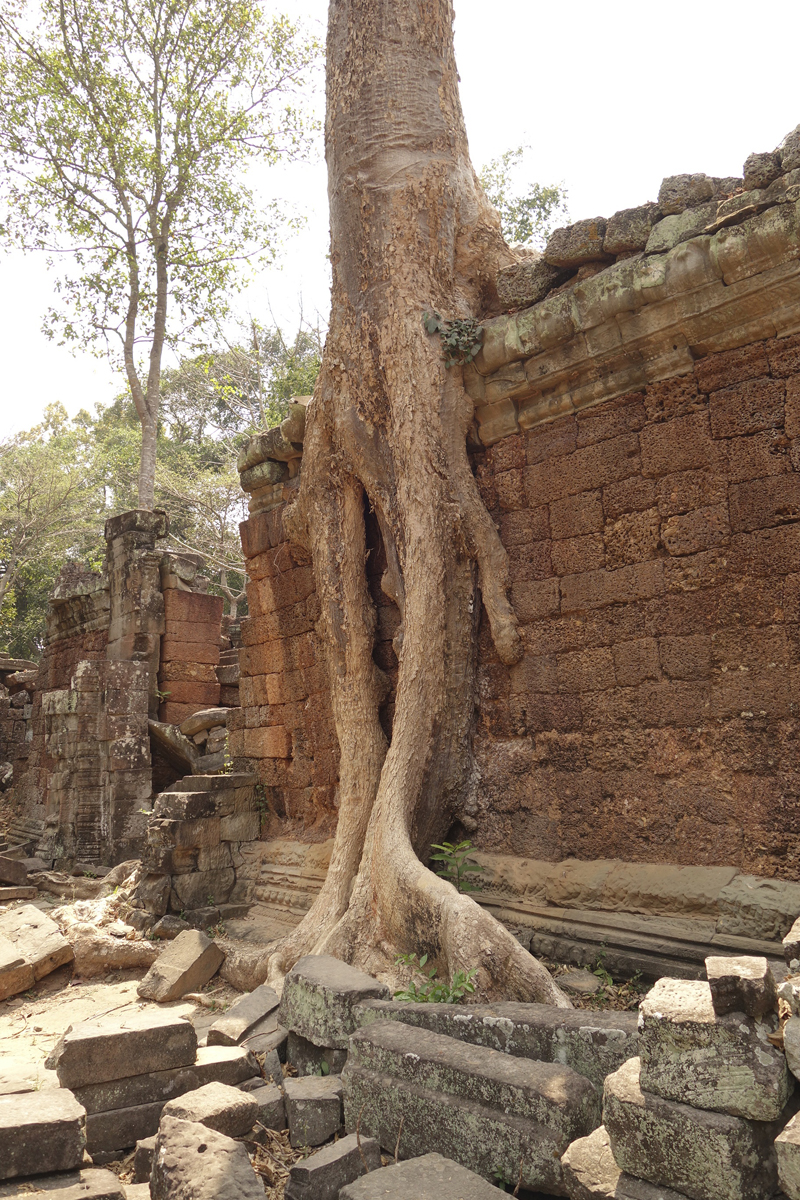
pixel 706 1155
pixel 486 1109
pixel 628 230
pixel 313 1109
pixel 590 1173
pixel 791 1045
pixel 791 946
pixel 110 1047
pixel 185 966
pixel 224 1064
pixel 226 1109
pixel 40 1132
pixel 678 192
pixel 242 1016
pixel 121 1128
pixel 194 889
pixel 527 282
pixel 760 170
pixel 672 230
pixel 757 908
pixel 146 1088
pixel 787 1148
pixel 16 973
pixel 695 1056
pixel 143 1159
pixel 319 996
pixel 309 1059
pixel 192 1162
pixel 593 1044
pixel 324 1174
pixel 271 1106
pixel 576 244
pixel 742 984
pixel 37 938
pixel 429 1177
pixel 208 718
pixel 13 871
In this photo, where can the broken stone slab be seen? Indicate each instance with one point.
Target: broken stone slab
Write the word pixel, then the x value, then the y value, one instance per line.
pixel 168 927
pixel 16 973
pixel 319 996
pixel 791 1045
pixel 41 1132
pixel 429 1177
pixel 267 1035
pixel 185 966
pixel 580 983
pixel 92 1183
pixel 628 230
pixel 707 1155
pixel 224 1064
pixel 592 1043
pixel 271 1106
pixel 242 1016
pixel 129 1092
pixel 143 1159
pixel 526 283
pixel 37 938
pixel 19 1072
pixel 321 1176
pixel 217 1106
pixel 744 984
pixel 488 1110
pixel 207 718
pixel 192 1162
pixel 789 991
pixel 590 1173
pixel 694 1056
pixel 313 1109
pixel 309 1059
pixel 13 872
pixel 787 1148
pixel 111 1047
pixel 759 908
pixel 121 1128
pixel 791 946
pixel 97 952
pixel 576 244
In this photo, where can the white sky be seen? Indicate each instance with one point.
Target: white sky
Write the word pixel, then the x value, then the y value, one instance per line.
pixel 611 98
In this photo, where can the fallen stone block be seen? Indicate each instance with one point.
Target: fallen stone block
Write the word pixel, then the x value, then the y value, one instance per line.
pixel 267 1035
pixel 271 1106
pixel 224 1064
pixel 309 1059
pixel 97 952
pixel 593 1043
pixel 19 1072
pixel 694 1056
pixel 147 1088
pixel 13 871
pixel 110 1047
pixel 487 1110
pixel 92 1183
pixel 7 894
pixel 791 1045
pixel 217 1106
pixel 143 1159
pixel 590 1173
pixel 37 938
pixel 121 1128
pixel 168 927
pixel 321 1176
pixel 429 1177
pixel 707 1155
pixel 192 1162
pixel 742 984
pixel 16 973
pixel 185 966
pixel 787 1147
pixel 313 1109
pixel 240 1018
pixel 320 994
pixel 791 946
pixel 41 1132
pixel 271 1067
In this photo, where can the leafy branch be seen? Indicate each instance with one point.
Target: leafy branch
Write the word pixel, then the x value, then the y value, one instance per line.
pixel 461 338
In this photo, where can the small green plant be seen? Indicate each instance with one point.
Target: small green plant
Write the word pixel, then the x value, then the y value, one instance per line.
pixel 457 865
pixel 227 761
pixel 215 931
pixel 162 696
pixel 600 971
pixel 428 989
pixel 461 338
pixel 262 808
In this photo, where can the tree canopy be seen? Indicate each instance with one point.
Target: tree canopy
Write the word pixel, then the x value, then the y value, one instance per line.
pixel 529 212
pixel 125 129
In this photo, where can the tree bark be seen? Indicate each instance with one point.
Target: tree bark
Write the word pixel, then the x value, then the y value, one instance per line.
pixel 410 231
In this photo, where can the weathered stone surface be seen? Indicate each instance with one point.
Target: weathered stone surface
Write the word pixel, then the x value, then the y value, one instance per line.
pixel 92 1183
pixel 16 973
pixel 580 983
pixel 760 170
pixel 758 908
pixel 592 1043
pixel 791 1045
pixel 628 230
pixel 672 230
pixel 791 946
pixel 695 1056
pixel 207 718
pixel 787 1148
pixel 319 995
pixel 169 926
pixel 429 1177
pixel 576 244
pixel 110 1047
pixel 267 1035
pixel 313 1109
pixel 678 192
pixel 707 1155
pixel 590 1173
pixel 271 1106
pixel 217 1106
pixel 185 966
pixel 121 1128
pixel 527 282
pixel 309 1059
pixel 742 984
pixel 96 952
pixel 13 871
pixel 192 1162
pixel 143 1159
pixel 242 1016
pixel 486 1109
pixel 40 1132
pixel 37 938
pixel 322 1175
pixel 789 991
pixel 147 1088
pixel 789 150
pixel 224 1064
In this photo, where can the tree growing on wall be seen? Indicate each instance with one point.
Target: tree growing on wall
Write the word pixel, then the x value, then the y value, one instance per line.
pixel 125 128
pixel 412 233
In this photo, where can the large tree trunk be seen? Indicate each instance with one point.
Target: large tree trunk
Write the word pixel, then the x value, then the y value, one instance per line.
pixel 411 231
